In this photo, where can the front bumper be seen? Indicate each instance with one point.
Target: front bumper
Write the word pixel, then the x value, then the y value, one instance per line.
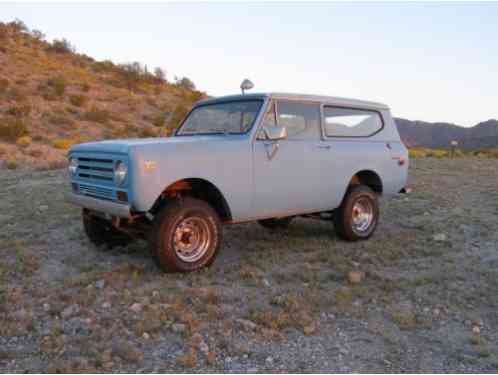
pixel 99 205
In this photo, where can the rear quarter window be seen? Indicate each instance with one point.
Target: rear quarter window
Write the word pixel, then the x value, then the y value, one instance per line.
pixel 351 122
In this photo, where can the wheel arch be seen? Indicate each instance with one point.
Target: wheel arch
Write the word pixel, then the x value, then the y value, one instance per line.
pixel 197 188
pixel 369 178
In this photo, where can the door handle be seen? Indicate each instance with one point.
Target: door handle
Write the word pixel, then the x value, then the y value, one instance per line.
pixel 323 147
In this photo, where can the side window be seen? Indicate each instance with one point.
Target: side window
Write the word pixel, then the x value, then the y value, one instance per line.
pixel 301 119
pixel 348 122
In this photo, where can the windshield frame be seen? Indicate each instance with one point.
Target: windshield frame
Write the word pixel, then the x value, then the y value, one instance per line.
pixel 261 100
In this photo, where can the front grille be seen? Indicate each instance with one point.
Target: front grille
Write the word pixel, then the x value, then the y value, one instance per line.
pixel 96 191
pixel 96 169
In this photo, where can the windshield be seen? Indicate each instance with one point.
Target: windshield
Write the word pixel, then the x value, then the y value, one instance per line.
pixel 226 118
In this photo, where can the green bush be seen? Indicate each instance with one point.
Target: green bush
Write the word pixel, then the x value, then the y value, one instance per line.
pixel 21 110
pixel 63 144
pixel 12 128
pixel 78 100
pixel 61 46
pixel 11 164
pixel 58 84
pixel 97 115
pixel 147 132
pixel 159 120
pixel 59 118
pixel 4 85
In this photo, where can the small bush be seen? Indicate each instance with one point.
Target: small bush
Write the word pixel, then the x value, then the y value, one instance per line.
pixel 95 114
pixel 58 84
pixel 11 164
pixel 3 151
pixel 16 94
pixel 4 85
pixel 159 120
pixel 23 141
pixel 12 128
pixel 85 87
pixel 62 144
pixel 35 152
pixel 21 110
pixel 78 100
pixel 147 132
pixel 61 46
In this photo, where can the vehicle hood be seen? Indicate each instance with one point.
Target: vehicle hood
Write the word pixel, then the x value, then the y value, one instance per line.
pixel 124 146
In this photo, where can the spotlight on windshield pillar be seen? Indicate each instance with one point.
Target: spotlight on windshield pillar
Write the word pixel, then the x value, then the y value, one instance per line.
pixel 246 85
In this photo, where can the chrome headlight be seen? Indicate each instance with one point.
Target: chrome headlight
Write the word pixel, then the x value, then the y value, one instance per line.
pixel 73 166
pixel 120 172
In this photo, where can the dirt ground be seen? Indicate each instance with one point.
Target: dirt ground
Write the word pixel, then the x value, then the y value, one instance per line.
pixel 420 296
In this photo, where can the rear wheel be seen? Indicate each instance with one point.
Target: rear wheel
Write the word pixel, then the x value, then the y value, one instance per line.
pixel 102 232
pixel 280 223
pixel 186 235
pixel 358 215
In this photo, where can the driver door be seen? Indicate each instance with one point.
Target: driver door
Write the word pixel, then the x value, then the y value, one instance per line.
pixel 287 175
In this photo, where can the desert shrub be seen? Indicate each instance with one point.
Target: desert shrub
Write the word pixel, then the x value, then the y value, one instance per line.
pixel 16 94
pixel 58 84
pixel 61 46
pixel 23 141
pixel 4 85
pixel 12 128
pixel 21 110
pixel 59 118
pixel 159 120
pixel 435 153
pixel 38 35
pixel 3 150
pixel 78 100
pixel 11 164
pixel 62 144
pixel 160 74
pixel 185 83
pixel 34 152
pixel 85 87
pixel 97 115
pixel 147 132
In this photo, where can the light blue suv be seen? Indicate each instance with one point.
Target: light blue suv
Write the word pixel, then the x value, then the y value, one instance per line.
pixel 234 159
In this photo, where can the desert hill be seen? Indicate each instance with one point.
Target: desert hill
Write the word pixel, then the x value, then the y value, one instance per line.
pixel 52 97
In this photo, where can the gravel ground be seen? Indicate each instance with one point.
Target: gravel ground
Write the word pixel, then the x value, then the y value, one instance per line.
pixel 420 296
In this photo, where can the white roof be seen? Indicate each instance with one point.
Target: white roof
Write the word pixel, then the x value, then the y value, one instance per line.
pixel 334 100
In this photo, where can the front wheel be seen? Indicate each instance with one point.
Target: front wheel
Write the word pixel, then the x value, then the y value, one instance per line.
pixel 102 232
pixel 358 215
pixel 186 235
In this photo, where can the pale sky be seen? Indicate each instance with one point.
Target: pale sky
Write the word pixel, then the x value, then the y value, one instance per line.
pixel 431 62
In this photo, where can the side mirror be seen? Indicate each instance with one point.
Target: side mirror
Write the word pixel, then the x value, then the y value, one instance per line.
pixel 275 133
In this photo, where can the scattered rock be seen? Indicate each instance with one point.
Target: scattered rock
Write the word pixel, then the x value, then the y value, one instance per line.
pixel 246 324
pixel 355 277
pixel 439 237
pixel 269 360
pixel 43 208
pixel 146 336
pixel 70 311
pixel 106 305
pixel 46 307
pixel 136 307
pixel 266 283
pixel 100 284
pixel 178 327
pixel 309 329
pixel 476 330
pixel 127 352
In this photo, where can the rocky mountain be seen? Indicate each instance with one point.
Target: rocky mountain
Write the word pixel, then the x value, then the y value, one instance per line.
pixel 439 134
